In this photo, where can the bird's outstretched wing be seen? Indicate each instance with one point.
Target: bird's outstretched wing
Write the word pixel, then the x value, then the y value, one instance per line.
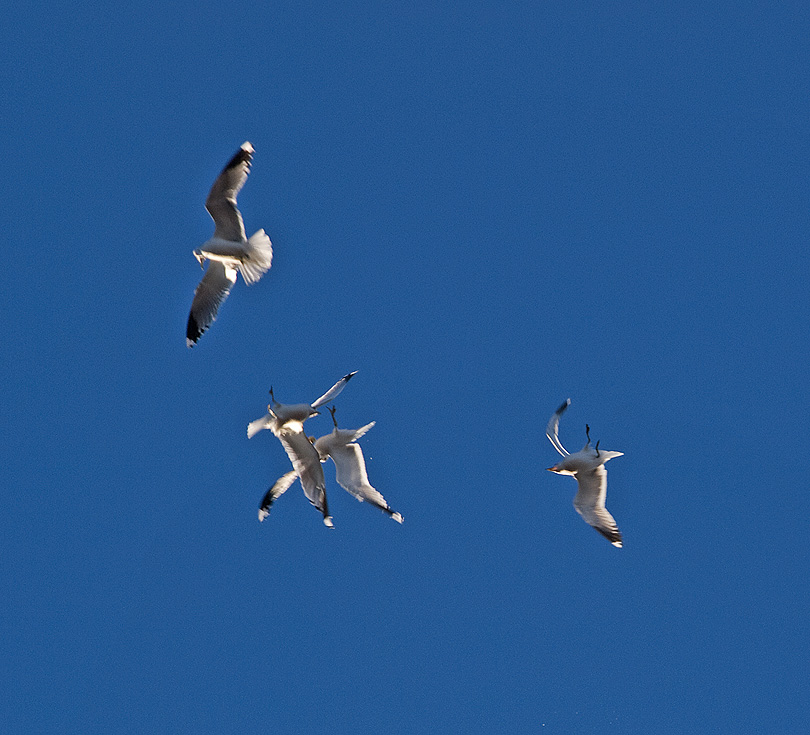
pixel 590 503
pixel 221 201
pixel 350 467
pixel 553 426
pixel 334 391
pixel 307 465
pixel 279 488
pixel 211 291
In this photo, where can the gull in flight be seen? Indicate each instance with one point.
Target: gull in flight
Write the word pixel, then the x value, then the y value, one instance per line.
pixel 228 251
pixel 350 466
pixel 286 421
pixel 588 467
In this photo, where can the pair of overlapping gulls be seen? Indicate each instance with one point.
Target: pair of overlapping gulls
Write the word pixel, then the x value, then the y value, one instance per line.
pixel 286 421
pixel 588 467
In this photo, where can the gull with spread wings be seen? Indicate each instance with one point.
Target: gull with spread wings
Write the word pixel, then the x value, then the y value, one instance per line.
pixel 286 421
pixel 588 467
pixel 228 251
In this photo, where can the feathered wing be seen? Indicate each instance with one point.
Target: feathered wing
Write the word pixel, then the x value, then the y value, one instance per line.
pixel 334 391
pixel 279 488
pixel 553 426
pixel 590 503
pixel 211 291
pixel 350 467
pixel 221 201
pixel 307 465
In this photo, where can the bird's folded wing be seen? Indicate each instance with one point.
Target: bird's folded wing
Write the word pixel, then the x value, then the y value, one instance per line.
pixel 279 488
pixel 221 201
pixel 212 290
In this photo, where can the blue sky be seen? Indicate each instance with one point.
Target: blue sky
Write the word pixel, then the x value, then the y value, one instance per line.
pixel 482 208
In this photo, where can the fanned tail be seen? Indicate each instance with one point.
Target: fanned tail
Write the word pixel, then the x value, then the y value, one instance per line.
pixel 259 257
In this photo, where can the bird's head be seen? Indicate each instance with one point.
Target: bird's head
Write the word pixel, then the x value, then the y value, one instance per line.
pixel 199 256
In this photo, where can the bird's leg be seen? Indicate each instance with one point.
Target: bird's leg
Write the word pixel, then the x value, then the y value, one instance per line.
pixel 597 447
pixel 588 433
pixel 272 397
pixel 332 410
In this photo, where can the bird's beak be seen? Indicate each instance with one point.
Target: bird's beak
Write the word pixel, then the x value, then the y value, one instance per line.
pixel 551 469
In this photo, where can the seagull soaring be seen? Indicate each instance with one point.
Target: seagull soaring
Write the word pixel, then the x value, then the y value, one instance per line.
pixel 286 421
pixel 588 467
pixel 228 250
pixel 350 465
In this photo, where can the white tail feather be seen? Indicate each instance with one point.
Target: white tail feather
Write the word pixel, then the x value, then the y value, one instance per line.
pixel 259 257
pixel 254 427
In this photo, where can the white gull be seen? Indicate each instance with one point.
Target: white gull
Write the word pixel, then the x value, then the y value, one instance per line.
pixel 588 467
pixel 228 251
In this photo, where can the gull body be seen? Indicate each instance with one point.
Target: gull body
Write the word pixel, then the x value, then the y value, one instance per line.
pixel 587 466
pixel 229 252
pixel 350 465
pixel 286 421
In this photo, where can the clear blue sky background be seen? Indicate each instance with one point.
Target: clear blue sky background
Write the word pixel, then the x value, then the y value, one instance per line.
pixel 484 208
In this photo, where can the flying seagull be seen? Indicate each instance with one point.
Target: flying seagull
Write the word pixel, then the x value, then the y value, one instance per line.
pixel 350 466
pixel 228 251
pixel 588 467
pixel 286 421
pixel 278 413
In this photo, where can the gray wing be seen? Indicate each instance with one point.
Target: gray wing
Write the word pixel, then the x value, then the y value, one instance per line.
pixel 211 291
pixel 279 488
pixel 221 202
pixel 590 503
pixel 350 467
pixel 334 391
pixel 307 465
pixel 553 426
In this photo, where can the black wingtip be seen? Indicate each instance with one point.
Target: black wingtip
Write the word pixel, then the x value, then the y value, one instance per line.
pixel 243 155
pixel 348 377
pixel 615 537
pixel 564 405
pixel 264 506
pixel 193 331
